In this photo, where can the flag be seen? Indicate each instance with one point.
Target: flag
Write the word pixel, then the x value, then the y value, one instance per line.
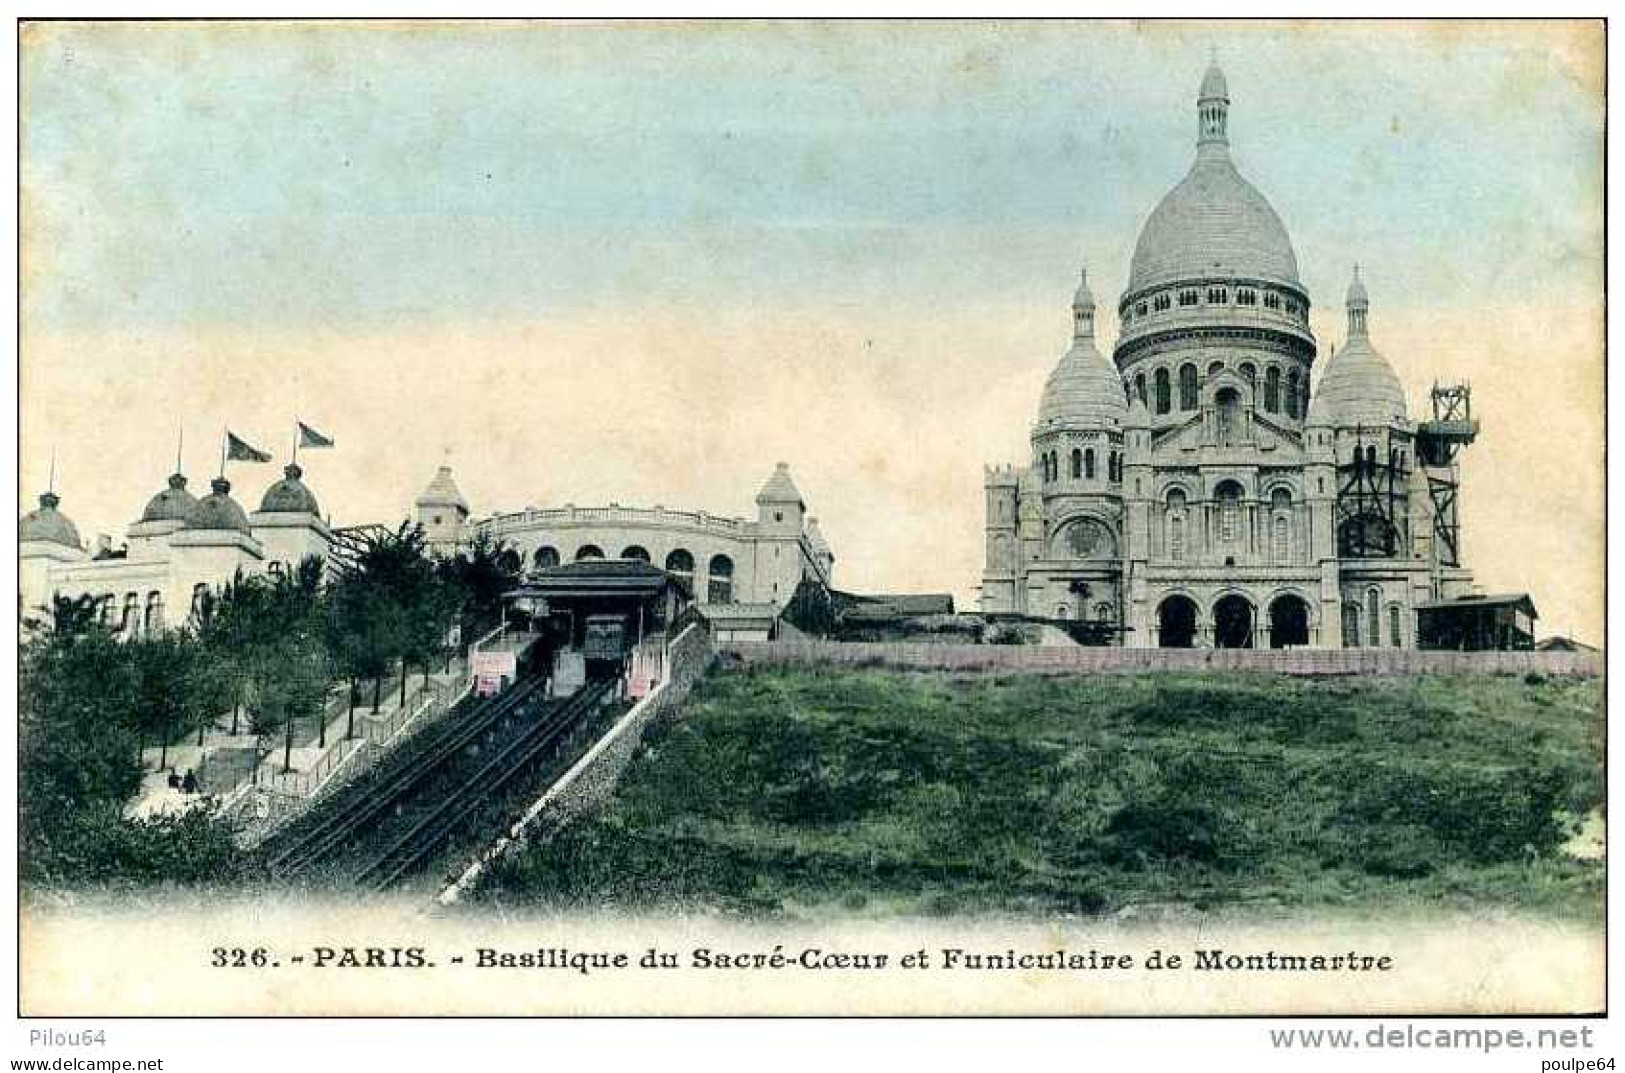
pixel 309 437
pixel 240 451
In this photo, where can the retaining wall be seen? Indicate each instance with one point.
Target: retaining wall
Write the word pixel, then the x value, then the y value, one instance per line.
pixel 1040 659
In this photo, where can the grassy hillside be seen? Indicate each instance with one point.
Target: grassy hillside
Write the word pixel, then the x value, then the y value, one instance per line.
pixel 816 791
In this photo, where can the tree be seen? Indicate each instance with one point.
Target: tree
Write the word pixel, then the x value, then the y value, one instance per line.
pixel 167 688
pixel 478 577
pixel 76 615
pixel 392 601
pixel 78 741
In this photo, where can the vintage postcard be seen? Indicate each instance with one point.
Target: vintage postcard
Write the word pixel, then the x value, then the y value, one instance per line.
pixel 892 517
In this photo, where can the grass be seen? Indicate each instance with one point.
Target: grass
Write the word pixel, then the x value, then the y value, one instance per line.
pixel 805 792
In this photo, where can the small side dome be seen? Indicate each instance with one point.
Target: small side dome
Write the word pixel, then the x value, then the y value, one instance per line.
pixel 1359 386
pixel 217 510
pixel 1082 390
pixel 49 525
pixel 289 495
pixel 173 504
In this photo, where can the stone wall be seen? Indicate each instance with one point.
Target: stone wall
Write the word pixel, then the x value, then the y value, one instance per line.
pixel 1047 659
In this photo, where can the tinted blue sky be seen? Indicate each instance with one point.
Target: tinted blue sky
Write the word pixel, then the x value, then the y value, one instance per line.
pixel 591 262
pixel 206 174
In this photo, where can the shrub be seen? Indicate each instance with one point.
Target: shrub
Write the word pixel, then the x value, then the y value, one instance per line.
pixel 1163 832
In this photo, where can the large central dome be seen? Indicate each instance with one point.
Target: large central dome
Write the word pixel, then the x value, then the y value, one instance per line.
pixel 1214 224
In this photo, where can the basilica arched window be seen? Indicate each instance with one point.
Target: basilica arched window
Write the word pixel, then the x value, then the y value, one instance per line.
pixel 1351 625
pixel 1395 637
pixel 1228 496
pixel 635 552
pixel 1189 298
pixel 1249 373
pixel 1175 525
pixel 1164 392
pixel 1088 463
pixel 1103 613
pixel 1227 416
pixel 200 597
pixel 589 551
pixel 1373 615
pixel 1214 368
pixel 1272 300
pixel 1077 463
pixel 1280 539
pixel 1187 387
pixel 1292 393
pixel 1272 390
pixel 130 622
pixel 1245 297
pixel 155 611
pixel 545 556
pixel 1139 386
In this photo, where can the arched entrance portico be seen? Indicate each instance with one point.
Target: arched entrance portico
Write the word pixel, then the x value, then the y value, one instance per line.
pixel 1232 622
pixel 1289 621
pixel 1176 622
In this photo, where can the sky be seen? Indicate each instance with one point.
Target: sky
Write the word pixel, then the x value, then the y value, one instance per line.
pixel 588 263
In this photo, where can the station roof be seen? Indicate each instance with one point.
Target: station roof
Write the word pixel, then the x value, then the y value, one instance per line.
pixel 1520 600
pixel 594 577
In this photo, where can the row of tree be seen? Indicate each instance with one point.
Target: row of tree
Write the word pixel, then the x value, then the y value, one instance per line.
pixel 262 654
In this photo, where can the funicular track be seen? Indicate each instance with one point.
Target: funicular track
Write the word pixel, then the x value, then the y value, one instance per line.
pixel 402 817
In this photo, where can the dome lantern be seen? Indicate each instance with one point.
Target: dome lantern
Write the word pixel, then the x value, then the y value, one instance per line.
pixel 1083 310
pixel 1358 305
pixel 1213 112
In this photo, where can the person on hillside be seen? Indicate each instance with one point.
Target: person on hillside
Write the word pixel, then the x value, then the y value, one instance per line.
pixel 174 779
pixel 189 784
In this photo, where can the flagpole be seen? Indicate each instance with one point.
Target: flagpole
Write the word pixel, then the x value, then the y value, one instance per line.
pixel 180 441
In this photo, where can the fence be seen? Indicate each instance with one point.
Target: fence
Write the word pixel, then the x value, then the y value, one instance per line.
pixel 1061 659
pixel 269 803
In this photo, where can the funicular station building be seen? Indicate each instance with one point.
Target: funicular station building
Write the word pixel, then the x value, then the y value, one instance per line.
pixel 602 584
pixel 1211 483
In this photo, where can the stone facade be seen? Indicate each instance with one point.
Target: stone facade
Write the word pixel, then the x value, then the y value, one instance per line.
pixel 181 547
pixel 1191 490
pixel 748 565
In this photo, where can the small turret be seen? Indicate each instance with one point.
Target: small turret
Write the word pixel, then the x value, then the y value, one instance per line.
pixel 442 512
pixel 780 508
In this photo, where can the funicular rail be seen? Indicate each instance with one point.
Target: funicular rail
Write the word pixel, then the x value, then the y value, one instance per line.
pixel 397 779
pixel 431 831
